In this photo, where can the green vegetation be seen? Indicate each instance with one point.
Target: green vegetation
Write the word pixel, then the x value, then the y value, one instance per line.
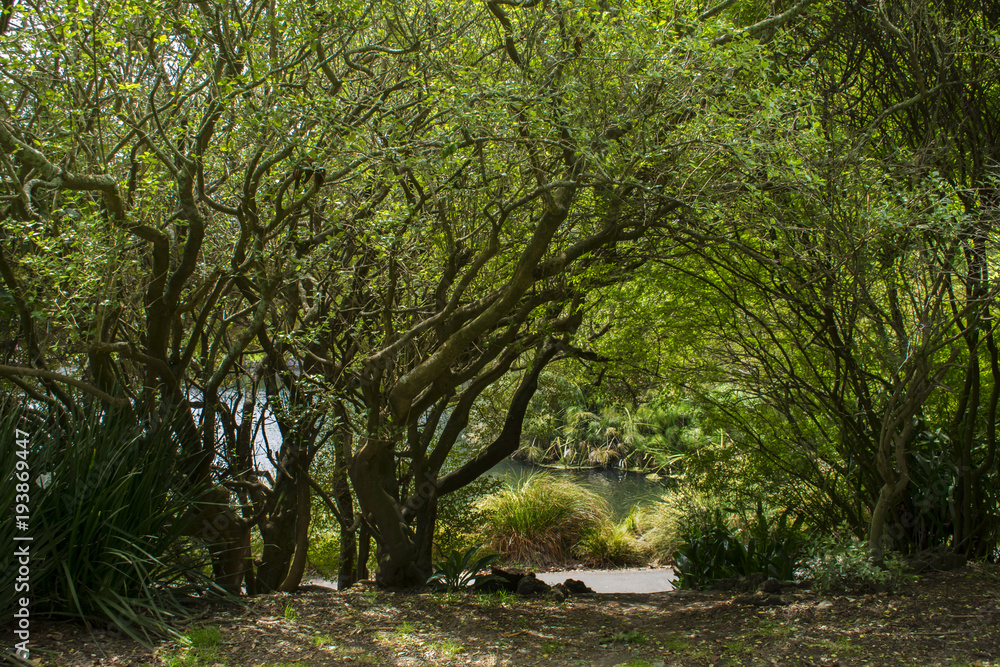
pixel 199 647
pixel 106 518
pixel 712 551
pixel 847 566
pixel 744 246
pixel 459 570
pixel 540 519
pixel 544 520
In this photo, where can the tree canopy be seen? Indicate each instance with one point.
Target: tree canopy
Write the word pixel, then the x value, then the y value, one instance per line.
pixel 368 215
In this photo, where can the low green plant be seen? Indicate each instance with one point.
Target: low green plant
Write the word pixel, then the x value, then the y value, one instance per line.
pixel 459 569
pixel 540 519
pixel 447 647
pixel 713 551
pixel 198 646
pixel 205 637
pixel 847 566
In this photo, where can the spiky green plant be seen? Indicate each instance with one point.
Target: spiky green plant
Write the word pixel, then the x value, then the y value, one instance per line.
pixel 460 570
pixel 102 507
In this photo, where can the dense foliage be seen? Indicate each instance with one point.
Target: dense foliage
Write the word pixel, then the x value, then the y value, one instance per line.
pixel 748 246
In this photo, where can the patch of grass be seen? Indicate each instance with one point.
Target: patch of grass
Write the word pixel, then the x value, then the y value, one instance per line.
pixel 626 637
pixel 289 613
pixel 498 599
pixel 736 647
pixel 539 520
pixel 205 637
pixel 661 524
pixel 320 640
pixel 405 629
pixel 674 644
pixel 199 647
pixel 448 598
pixel 447 647
pixel 774 629
pixel 552 646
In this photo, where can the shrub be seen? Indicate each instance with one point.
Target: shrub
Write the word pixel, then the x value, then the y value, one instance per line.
pixel 324 552
pixel 662 524
pixel 713 551
pixel 460 517
pixel 847 567
pixel 539 520
pixel 103 515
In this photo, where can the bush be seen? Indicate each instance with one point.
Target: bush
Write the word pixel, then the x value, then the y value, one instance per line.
pixel 847 567
pixel 539 520
pixel 460 517
pixel 662 525
pixel 459 570
pixel 103 514
pixel 713 551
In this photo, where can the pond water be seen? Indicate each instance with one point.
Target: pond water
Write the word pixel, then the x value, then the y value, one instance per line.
pixel 621 488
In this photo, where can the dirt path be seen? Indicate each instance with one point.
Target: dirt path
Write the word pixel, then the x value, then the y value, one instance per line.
pixel 945 619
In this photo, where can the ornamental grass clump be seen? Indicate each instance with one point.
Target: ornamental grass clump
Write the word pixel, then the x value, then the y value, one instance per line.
pixel 611 544
pixel 539 520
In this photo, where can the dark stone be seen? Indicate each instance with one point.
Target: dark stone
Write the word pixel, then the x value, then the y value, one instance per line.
pixel 772 586
pixel 532 585
pixel 746 584
pixel 577 587
pixel 502 580
pixel 759 599
pixel 935 559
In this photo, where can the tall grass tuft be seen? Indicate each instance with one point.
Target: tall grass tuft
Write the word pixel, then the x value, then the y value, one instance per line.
pixel 102 516
pixel 539 520
pixel 611 544
pixel 662 524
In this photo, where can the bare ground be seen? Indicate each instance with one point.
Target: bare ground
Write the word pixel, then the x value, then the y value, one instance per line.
pixel 948 618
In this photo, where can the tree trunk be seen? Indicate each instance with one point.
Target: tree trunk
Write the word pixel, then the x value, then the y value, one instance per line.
pixel 279 529
pixel 364 552
pixel 373 468
pixel 298 567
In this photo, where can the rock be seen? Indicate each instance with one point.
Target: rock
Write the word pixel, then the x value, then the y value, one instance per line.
pixel 532 585
pixel 772 586
pixel 935 559
pixel 558 593
pixel 759 599
pixel 504 580
pixel 745 584
pixel 577 587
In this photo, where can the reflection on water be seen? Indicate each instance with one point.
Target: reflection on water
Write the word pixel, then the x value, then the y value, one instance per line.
pixel 621 488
